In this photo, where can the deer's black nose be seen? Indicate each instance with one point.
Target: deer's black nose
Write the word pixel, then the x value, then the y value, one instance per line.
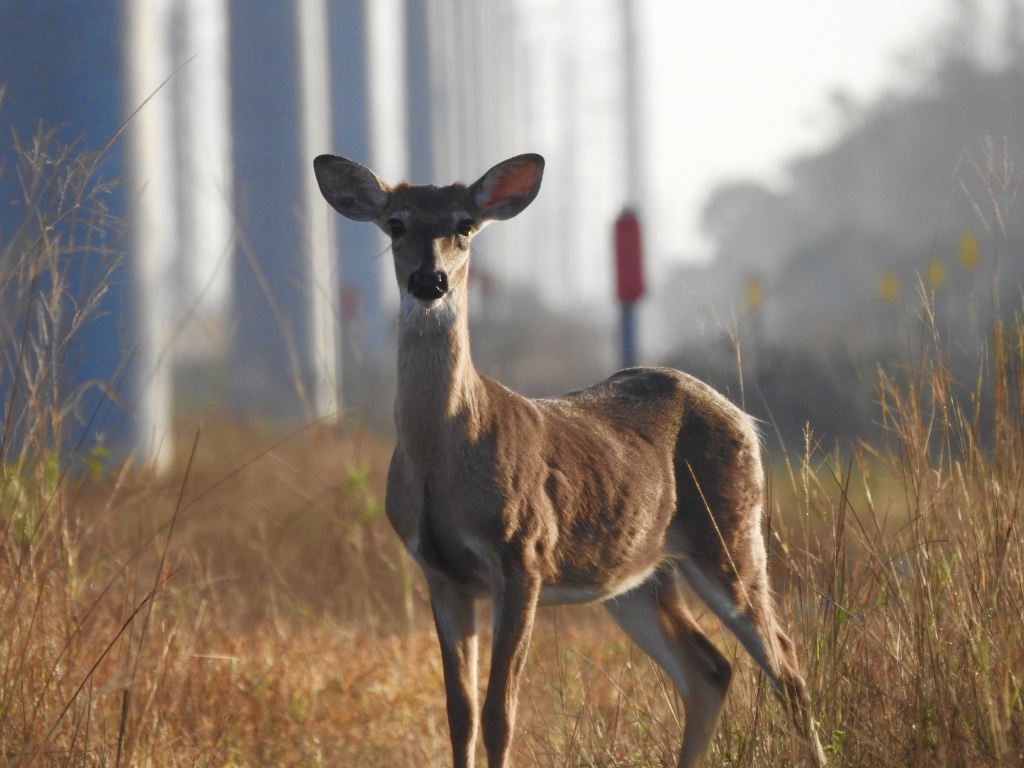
pixel 428 284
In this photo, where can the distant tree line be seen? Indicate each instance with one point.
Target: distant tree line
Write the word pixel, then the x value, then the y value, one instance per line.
pixel 815 285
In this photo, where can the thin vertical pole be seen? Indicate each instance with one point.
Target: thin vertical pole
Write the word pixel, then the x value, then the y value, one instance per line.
pixel 631 88
pixel 634 171
pixel 628 334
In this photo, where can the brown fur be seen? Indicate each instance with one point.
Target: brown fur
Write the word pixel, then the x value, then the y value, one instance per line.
pixel 609 493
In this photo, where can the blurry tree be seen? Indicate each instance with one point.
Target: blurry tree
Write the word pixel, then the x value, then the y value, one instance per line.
pixel 920 189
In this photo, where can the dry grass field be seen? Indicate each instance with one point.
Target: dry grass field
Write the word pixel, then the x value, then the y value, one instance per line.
pixel 252 607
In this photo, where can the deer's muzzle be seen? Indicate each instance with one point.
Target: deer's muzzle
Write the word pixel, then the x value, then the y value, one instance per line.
pixel 428 284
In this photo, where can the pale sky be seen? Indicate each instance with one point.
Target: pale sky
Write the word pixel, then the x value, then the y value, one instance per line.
pixel 738 87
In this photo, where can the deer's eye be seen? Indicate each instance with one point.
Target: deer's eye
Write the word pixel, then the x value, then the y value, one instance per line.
pixel 465 228
pixel 396 227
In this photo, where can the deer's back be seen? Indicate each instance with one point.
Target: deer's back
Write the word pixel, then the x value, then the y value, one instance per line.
pixel 688 459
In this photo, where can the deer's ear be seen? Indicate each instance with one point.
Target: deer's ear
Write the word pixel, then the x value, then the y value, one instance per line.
pixel 506 189
pixel 352 189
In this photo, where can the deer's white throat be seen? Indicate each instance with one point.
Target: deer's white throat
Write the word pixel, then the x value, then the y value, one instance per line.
pixel 440 316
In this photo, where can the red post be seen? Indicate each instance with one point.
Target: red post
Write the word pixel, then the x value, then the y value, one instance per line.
pixel 629 279
pixel 629 257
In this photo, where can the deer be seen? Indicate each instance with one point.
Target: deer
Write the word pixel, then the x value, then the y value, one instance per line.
pixel 618 493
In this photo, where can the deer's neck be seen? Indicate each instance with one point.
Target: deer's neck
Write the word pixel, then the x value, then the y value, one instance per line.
pixel 441 398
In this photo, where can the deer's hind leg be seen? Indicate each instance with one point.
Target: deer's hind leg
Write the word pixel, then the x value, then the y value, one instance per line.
pixel 656 618
pixel 794 695
pixel 750 615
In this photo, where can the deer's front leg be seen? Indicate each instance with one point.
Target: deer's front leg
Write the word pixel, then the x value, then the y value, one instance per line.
pixel 515 605
pixel 455 619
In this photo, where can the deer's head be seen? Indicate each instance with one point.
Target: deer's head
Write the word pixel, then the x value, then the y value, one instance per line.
pixel 430 227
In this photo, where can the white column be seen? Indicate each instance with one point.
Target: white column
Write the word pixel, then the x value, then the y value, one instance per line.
pixel 206 172
pixel 387 109
pixel 154 236
pixel 314 64
pixel 441 47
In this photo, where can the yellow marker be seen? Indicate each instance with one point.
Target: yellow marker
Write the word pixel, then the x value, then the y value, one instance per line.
pixel 755 293
pixel 969 251
pixel 936 275
pixel 889 287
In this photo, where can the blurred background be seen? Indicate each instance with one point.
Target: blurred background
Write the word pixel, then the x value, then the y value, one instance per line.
pixel 804 173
